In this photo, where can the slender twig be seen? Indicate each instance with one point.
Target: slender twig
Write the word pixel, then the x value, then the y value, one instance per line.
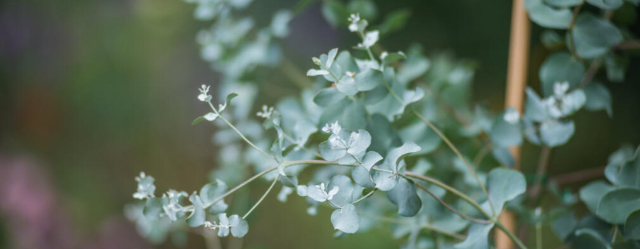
pixel 242 185
pixel 572 46
pixel 481 154
pixel 425 226
pixel 261 198
pixel 238 132
pixel 450 189
pixel 451 208
pixel 591 72
pixel 543 163
pixel 539 235
pixel 635 44
pixel 464 160
pixel 365 196
pixel 511 235
pixel 578 176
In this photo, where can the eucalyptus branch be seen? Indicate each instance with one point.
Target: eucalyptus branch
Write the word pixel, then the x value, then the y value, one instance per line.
pixel 455 150
pixel 446 140
pixel 482 154
pixel 572 46
pixel 512 236
pixel 238 132
pixel 451 208
pixel 452 190
pixel 425 226
pixel 365 196
pixel 261 198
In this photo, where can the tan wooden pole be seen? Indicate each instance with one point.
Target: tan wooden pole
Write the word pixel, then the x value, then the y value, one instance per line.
pixel 516 82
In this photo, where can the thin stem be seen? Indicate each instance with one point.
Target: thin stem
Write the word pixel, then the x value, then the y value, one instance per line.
pixel 539 235
pixel 572 46
pixel 455 150
pixel 452 190
pixel 239 133
pixel 425 226
pixel 482 154
pixel 543 163
pixel 511 235
pixel 365 196
pixel 242 185
pixel 438 230
pixel 578 176
pixel 451 208
pixel 261 198
pixel 615 234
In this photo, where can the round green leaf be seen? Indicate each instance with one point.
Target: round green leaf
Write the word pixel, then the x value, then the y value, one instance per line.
pixel 593 36
pixel 405 197
pixel 555 133
pixel 615 206
pixel 593 192
pixel 328 96
pixel 632 225
pixel 345 190
pixel 547 16
pixel 198 215
pixel 598 98
pixel 606 4
pixel 505 185
pixel 346 219
pixel 239 226
pixel 560 67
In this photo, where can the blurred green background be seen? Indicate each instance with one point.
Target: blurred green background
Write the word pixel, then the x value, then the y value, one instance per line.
pixel 93 92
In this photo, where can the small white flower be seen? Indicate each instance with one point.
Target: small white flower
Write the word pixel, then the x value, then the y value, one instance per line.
pixel 331 192
pixel 204 93
pixel 560 88
pixel 511 116
pixel 350 74
pixel 211 116
pixel 266 112
pixel 336 128
pixel 354 19
pixel 326 128
pixel 146 188
pixel 383 55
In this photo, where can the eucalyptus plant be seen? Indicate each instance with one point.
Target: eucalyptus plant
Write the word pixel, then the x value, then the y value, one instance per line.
pixel 392 138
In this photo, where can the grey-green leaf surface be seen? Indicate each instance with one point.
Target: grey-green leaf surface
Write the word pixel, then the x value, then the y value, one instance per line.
pixel 616 205
pixel 153 208
pixel 555 133
pixel 505 185
pixel 598 98
pixel 560 67
pixel 632 225
pixel 593 192
pixel 239 226
pixel 346 219
pixel 404 196
pixel 547 16
pixel 593 36
pixel 345 190
pixel 606 4
pixel 198 215
pixel 477 237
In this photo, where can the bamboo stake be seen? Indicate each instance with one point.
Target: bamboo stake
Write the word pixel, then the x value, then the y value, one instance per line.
pixel 516 82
